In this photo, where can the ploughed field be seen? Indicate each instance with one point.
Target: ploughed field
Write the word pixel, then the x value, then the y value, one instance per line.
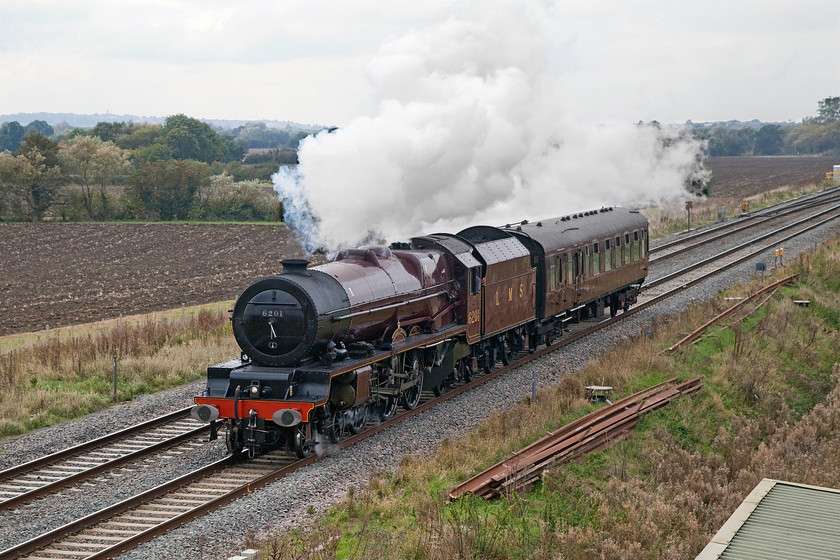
pixel 65 274
pixel 747 176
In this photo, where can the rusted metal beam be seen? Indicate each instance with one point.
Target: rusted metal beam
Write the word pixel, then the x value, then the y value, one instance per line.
pixel 595 431
pixel 720 317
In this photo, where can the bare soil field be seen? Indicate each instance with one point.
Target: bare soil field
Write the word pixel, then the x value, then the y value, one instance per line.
pixel 66 274
pixel 748 176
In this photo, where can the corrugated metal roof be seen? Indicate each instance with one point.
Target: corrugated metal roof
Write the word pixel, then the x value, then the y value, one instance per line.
pixel 781 521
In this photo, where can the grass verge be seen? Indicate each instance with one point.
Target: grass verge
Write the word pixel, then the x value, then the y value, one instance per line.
pixel 52 376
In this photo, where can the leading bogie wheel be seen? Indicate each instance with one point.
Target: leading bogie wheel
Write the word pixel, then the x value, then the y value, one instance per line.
pixel 334 428
pixel 442 388
pixel 303 449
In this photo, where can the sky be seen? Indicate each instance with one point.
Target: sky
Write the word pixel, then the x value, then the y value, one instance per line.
pixel 314 61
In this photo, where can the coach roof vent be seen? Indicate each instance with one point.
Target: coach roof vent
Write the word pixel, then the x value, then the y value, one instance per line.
pixel 294 266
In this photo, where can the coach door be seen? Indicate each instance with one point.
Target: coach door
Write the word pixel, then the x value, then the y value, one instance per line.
pixel 576 273
pixel 474 304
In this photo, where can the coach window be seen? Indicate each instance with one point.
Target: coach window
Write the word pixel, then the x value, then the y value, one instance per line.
pixel 570 279
pixel 636 245
pixel 596 259
pixel 560 269
pixel 617 252
pixel 607 256
pixel 552 274
pixel 586 262
pixel 627 248
pixel 644 243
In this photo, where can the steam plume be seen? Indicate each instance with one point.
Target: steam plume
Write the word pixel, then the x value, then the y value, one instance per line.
pixel 470 130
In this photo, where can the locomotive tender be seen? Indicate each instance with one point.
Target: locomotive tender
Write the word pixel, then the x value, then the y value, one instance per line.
pixel 325 348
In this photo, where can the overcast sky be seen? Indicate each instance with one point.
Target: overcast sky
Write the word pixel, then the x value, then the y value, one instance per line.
pixel 309 60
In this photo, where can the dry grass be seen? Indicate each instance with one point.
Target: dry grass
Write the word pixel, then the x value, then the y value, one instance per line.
pixel 61 375
pixel 672 217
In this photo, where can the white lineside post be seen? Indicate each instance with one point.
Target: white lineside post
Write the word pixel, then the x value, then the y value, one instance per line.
pixel 115 379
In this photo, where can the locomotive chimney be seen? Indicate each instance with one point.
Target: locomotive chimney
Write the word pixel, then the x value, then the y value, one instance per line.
pixel 294 266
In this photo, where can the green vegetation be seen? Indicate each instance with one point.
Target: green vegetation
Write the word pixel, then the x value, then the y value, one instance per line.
pixel 770 407
pixel 129 171
pixel 814 135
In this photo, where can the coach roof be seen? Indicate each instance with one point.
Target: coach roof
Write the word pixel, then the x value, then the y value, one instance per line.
pixel 566 231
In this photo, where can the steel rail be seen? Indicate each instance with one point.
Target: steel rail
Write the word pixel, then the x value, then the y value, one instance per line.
pixel 668 277
pixel 89 445
pixel 106 513
pixel 15 501
pixel 768 213
pixel 742 227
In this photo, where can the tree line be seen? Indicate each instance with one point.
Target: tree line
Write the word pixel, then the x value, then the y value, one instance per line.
pixel 185 169
pixel 181 170
pixel 814 135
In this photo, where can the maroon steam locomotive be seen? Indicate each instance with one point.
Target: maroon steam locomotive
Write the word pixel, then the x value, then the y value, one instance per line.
pixel 327 347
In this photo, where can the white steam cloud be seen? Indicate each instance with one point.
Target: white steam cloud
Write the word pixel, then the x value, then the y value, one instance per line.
pixel 470 131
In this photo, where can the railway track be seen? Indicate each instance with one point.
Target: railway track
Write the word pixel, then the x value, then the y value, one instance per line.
pixel 123 526
pixel 763 218
pixel 28 481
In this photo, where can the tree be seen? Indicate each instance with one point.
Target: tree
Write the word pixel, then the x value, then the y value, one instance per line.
pixel 190 138
pixel 236 149
pixel 36 141
pixel 11 133
pixel 40 126
pixel 109 131
pixel 828 110
pixel 152 152
pixel 140 135
pixel 27 176
pixel 167 188
pixel 737 142
pixel 769 140
pixel 93 162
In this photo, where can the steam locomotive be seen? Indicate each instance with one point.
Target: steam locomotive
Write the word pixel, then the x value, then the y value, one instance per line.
pixel 326 348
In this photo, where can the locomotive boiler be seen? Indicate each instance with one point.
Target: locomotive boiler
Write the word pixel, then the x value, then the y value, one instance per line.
pixel 325 348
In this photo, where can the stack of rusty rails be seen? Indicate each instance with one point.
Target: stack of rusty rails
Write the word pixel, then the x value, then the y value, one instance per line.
pixel 694 336
pixel 594 432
